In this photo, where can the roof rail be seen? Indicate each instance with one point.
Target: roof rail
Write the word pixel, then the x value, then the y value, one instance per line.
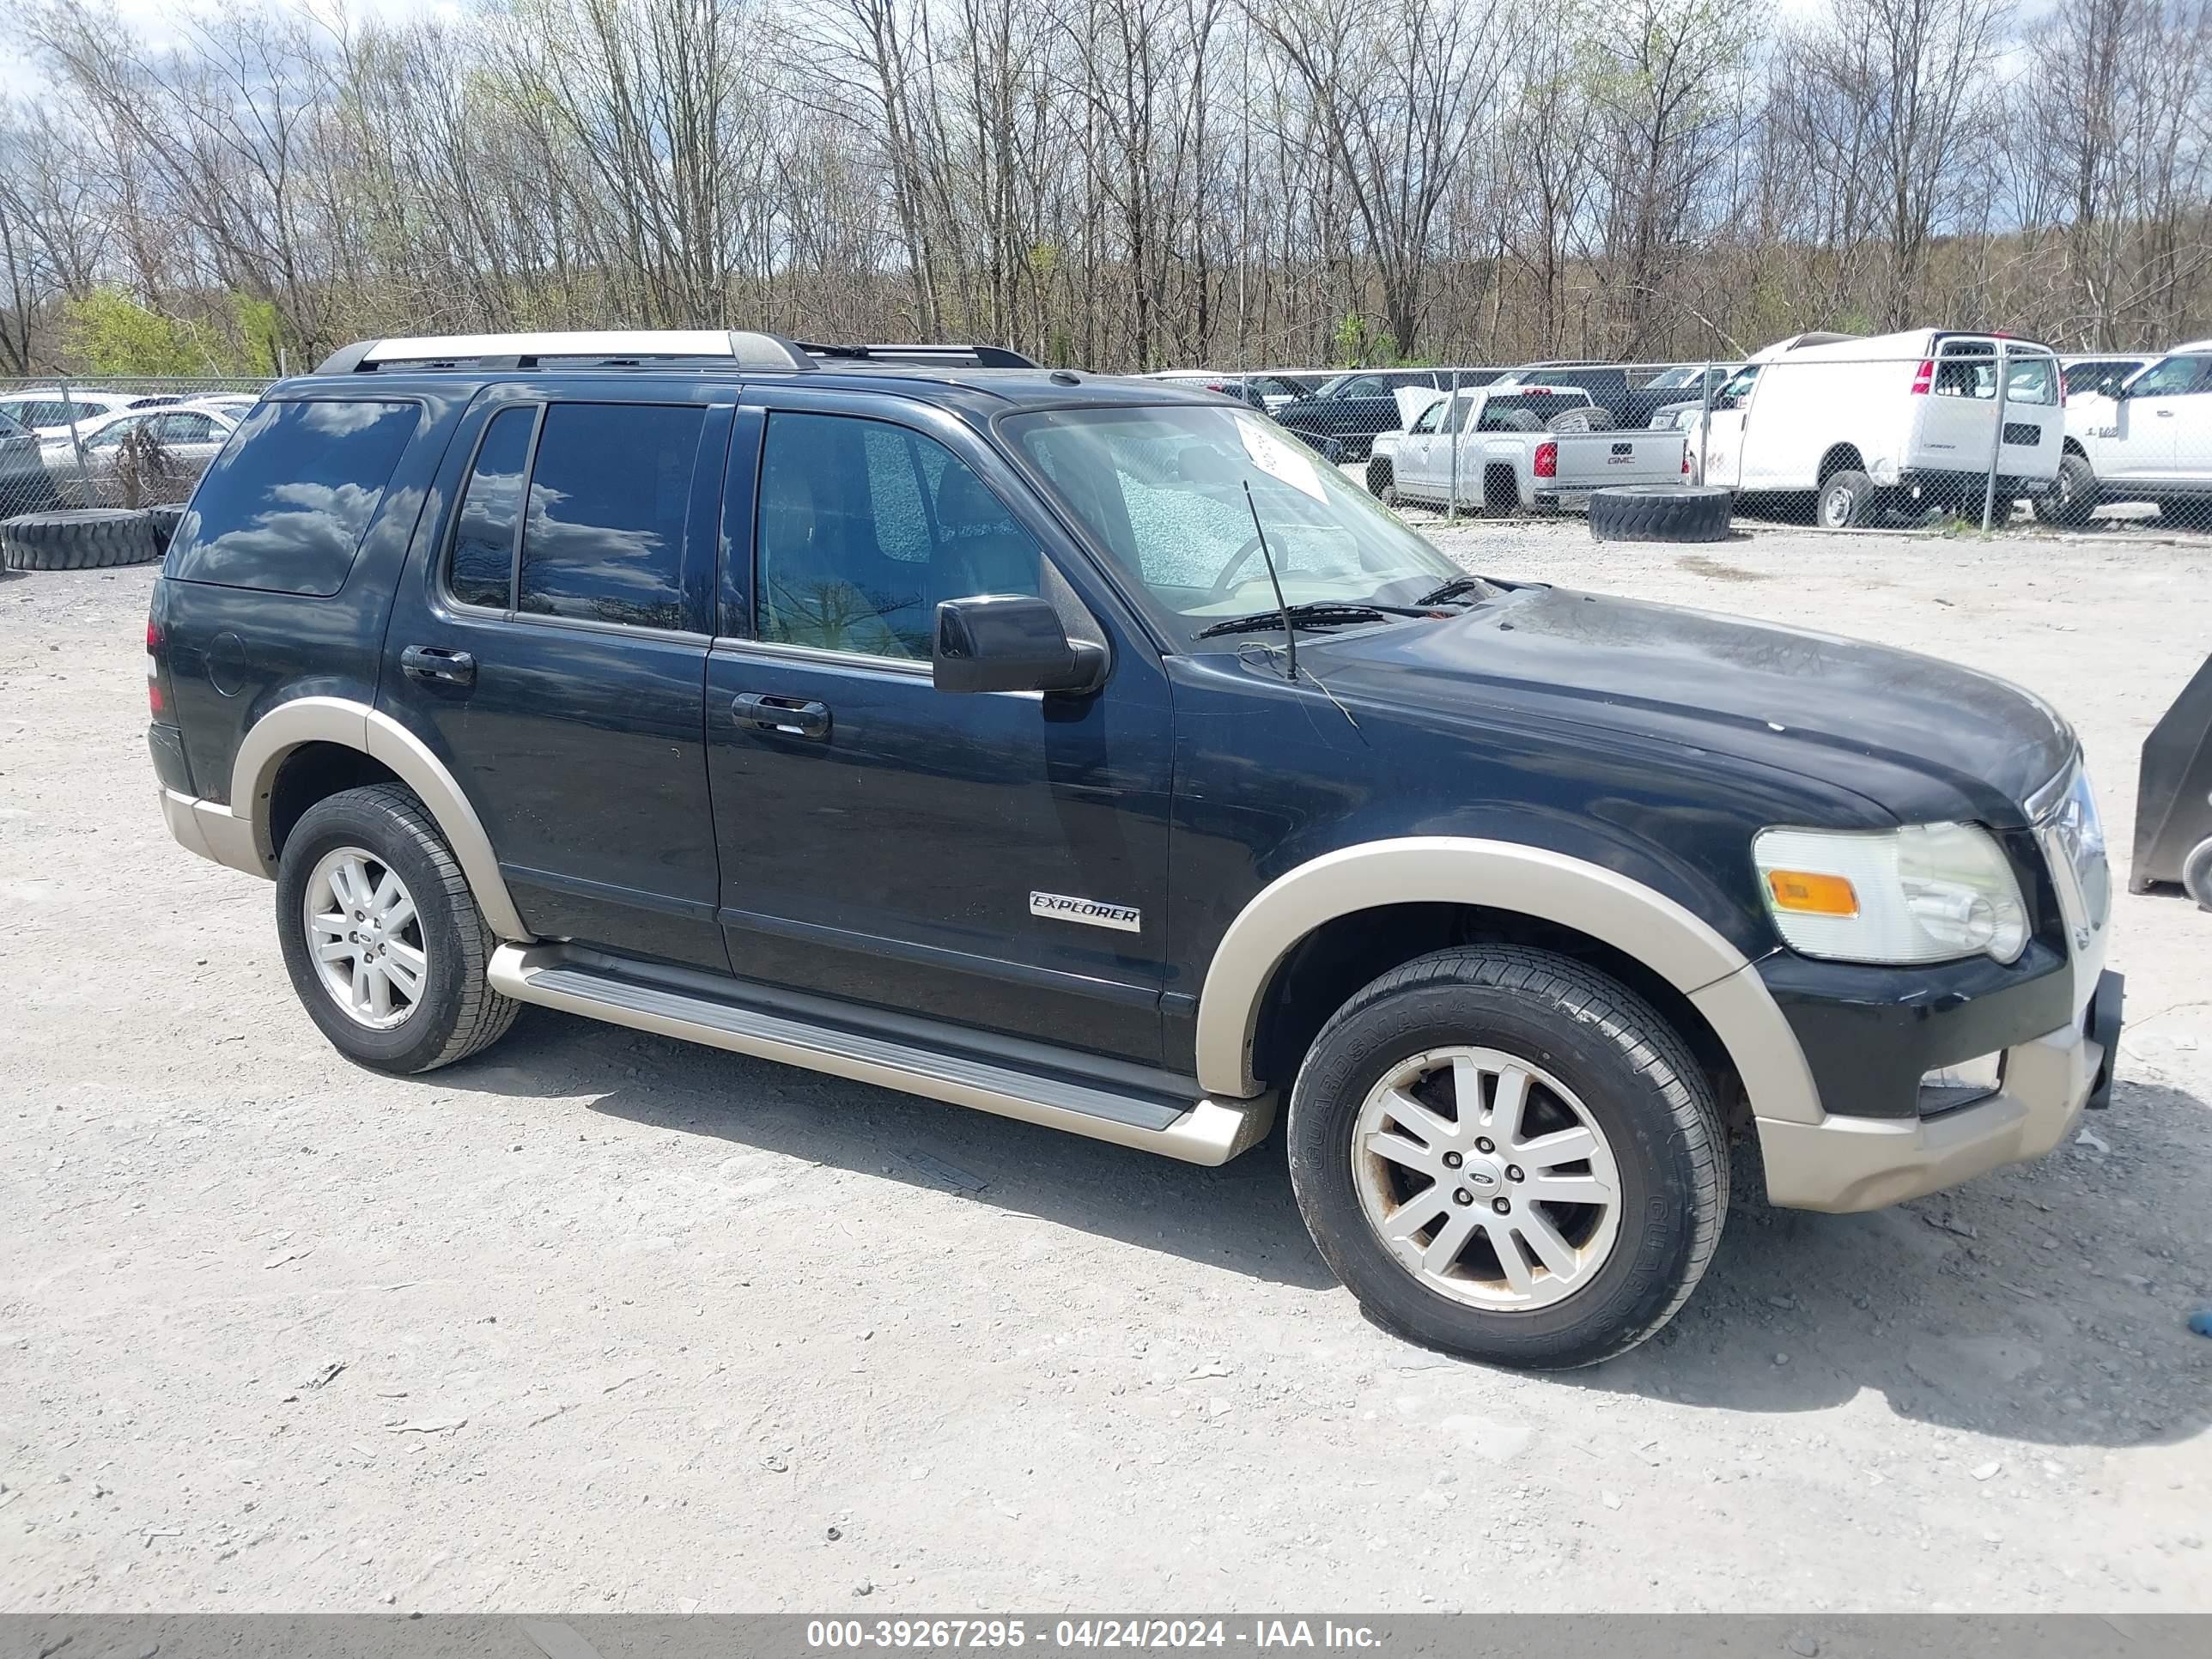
pixel 624 348
pixel 608 348
pixel 949 356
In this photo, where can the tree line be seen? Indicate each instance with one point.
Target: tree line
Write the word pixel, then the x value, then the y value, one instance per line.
pixel 1116 184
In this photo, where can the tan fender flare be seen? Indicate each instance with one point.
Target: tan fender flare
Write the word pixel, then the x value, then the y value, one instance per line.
pixel 1683 949
pixel 356 725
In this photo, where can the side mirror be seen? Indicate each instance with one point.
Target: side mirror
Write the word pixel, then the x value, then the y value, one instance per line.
pixel 1009 642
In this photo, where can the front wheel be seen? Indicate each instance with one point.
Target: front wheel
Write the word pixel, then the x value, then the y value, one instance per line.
pixel 382 938
pixel 1506 1155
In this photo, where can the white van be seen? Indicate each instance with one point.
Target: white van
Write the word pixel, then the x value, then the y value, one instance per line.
pixel 1902 421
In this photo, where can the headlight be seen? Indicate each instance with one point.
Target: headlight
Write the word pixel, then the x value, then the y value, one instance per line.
pixel 1930 893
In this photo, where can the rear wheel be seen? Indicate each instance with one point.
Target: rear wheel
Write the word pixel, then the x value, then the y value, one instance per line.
pixel 1507 1154
pixel 1846 499
pixel 382 938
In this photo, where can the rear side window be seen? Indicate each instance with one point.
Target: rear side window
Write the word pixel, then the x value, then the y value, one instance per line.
pixel 284 506
pixel 2031 381
pixel 609 491
pixel 480 565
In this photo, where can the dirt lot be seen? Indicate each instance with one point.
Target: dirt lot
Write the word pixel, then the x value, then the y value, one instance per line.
pixel 604 1322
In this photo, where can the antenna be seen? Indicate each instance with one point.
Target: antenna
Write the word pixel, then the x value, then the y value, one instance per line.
pixel 1290 634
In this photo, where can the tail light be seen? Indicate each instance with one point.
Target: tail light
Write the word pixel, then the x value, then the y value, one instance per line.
pixel 1686 460
pixel 157 694
pixel 1548 460
pixel 1923 377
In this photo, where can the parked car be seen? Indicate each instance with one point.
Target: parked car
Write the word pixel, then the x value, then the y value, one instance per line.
pixel 1085 751
pixel 1519 448
pixel 48 413
pixel 1896 423
pixel 2081 375
pixel 1612 388
pixel 2147 438
pixel 1259 390
pixel 141 457
pixel 1345 416
pixel 25 486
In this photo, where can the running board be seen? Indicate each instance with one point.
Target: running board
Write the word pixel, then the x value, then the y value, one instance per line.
pixel 1200 1132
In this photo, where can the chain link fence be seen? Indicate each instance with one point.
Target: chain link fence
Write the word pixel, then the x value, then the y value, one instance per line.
pixel 1974 432
pixel 1966 432
pixel 112 440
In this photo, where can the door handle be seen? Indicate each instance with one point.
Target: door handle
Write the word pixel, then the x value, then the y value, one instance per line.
pixel 2164 414
pixel 790 717
pixel 432 662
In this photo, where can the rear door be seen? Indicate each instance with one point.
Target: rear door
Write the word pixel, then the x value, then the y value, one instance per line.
pixel 550 647
pixel 2034 418
pixel 1954 419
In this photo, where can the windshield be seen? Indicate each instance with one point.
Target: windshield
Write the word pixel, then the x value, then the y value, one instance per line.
pixel 1162 490
pixel 1672 379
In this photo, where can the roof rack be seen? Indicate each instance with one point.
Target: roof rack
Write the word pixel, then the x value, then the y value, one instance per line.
pixel 643 347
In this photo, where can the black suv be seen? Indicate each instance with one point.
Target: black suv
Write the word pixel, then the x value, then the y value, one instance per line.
pixel 1082 751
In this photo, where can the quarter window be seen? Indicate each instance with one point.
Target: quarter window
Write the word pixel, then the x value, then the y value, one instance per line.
pixel 864 527
pixel 284 505
pixel 609 491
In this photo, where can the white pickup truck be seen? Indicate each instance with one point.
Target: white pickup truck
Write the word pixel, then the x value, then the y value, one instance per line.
pixel 1519 449
pixel 2146 438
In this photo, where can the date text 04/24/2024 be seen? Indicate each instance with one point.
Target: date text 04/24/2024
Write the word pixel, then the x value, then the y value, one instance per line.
pixel 1262 1634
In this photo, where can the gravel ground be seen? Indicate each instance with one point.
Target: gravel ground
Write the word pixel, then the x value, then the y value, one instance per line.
pixel 603 1322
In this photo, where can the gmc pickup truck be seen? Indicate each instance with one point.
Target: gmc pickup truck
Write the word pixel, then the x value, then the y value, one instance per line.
pixel 1089 752
pixel 1520 450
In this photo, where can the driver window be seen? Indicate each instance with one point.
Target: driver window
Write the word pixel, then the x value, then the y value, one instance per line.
pixel 2171 379
pixel 1429 416
pixel 1732 395
pixel 865 526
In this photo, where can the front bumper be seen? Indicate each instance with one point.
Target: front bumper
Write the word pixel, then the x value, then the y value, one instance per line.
pixel 1843 1163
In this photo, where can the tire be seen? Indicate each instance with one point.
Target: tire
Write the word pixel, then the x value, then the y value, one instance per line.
pixel 455 1011
pixel 2071 494
pixel 1661 513
pixel 2196 873
pixel 165 520
pixel 1846 499
pixel 1382 483
pixel 1597 1055
pixel 92 540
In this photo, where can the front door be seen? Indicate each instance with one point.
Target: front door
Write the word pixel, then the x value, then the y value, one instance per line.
pixel 2162 414
pixel 1717 445
pixel 1421 467
pixel 553 654
pixel 997 860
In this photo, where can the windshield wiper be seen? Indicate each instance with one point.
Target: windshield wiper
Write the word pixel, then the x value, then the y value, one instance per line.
pixel 1314 614
pixel 1456 588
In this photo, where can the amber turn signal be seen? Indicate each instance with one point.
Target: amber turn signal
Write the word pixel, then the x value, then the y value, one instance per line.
pixel 1811 894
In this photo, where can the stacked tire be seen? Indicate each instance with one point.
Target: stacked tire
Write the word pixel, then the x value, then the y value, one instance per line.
pixel 93 539
pixel 1661 513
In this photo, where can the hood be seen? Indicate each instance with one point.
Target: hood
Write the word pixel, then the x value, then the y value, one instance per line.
pixel 1412 400
pixel 1918 737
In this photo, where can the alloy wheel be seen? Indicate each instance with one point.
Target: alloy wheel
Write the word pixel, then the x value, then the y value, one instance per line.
pixel 364 938
pixel 1487 1177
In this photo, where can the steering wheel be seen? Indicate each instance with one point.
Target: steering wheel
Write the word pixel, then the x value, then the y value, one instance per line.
pixel 1237 559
